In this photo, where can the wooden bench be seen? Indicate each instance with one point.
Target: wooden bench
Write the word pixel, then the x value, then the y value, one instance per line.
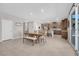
pixel 30 38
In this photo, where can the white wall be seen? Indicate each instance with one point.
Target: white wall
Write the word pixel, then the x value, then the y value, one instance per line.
pixel 0 29
pixel 18 31
pixel 36 26
pixel 7 29
pixel 32 26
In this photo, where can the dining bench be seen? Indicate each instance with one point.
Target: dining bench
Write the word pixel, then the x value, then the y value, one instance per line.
pixel 30 38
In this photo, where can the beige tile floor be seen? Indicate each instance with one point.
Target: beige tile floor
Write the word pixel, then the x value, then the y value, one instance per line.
pixel 55 46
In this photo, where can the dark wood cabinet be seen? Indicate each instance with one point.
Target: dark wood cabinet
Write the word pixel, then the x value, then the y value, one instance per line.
pixel 64 26
pixel 57 32
pixel 64 34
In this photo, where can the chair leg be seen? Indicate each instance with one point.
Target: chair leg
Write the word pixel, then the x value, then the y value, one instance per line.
pixel 23 40
pixel 41 39
pixel 36 41
pixel 33 42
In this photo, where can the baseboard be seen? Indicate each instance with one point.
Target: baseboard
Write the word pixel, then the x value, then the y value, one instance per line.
pixel 1 40
pixel 5 40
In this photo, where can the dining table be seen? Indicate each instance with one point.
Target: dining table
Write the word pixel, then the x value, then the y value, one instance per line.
pixel 37 35
pixel 33 34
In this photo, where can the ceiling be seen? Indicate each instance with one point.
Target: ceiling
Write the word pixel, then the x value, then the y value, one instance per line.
pixel 37 11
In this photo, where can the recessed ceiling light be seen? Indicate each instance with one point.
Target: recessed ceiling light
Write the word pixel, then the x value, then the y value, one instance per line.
pixel 31 13
pixel 42 10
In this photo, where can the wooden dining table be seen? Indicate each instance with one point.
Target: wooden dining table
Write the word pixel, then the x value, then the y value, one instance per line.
pixel 33 34
pixel 37 35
